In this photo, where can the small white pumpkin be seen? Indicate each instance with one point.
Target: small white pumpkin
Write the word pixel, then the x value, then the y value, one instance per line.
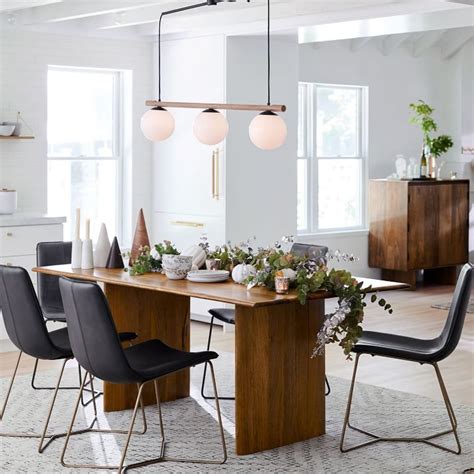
pixel 289 273
pixel 242 271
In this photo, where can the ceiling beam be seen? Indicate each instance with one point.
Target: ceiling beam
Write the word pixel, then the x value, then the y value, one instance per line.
pixel 67 11
pixel 454 40
pixel 358 43
pixel 426 42
pixel 455 17
pixel 392 42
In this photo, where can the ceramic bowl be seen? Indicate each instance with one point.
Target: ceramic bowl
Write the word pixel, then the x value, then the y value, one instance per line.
pixel 6 130
pixel 177 266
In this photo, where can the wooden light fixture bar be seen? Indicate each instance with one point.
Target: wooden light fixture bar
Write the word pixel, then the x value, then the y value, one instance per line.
pixel 203 106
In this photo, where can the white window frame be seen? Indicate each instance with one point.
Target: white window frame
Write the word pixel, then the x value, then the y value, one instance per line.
pixel 309 155
pixel 118 141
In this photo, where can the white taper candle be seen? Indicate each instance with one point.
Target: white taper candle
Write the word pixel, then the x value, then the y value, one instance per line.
pixel 88 228
pixel 78 224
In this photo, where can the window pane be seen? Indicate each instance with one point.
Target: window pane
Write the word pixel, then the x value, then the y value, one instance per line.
pixel 337 122
pixel 80 113
pixel 302 197
pixel 88 184
pixel 339 193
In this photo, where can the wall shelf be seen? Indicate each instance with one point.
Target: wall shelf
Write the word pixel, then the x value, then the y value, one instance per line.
pixel 17 138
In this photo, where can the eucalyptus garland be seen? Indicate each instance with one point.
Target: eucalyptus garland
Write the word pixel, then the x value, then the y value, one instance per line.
pixel 307 276
pixel 344 326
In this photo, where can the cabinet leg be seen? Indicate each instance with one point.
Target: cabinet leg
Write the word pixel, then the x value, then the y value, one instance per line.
pixel 442 276
pixel 408 277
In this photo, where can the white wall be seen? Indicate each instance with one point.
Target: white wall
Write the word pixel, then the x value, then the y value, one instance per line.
pixel 394 81
pixel 261 185
pixel 24 59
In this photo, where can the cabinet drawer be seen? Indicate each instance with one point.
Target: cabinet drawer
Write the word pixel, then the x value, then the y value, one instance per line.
pixel 22 240
pixel 26 261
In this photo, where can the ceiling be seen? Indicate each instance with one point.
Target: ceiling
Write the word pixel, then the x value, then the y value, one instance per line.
pixel 138 18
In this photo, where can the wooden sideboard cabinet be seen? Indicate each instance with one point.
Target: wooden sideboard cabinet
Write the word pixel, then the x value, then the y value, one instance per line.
pixel 418 225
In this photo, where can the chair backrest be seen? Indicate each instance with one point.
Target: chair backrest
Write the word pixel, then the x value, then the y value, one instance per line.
pixel 51 253
pixel 22 314
pixel 316 252
pixel 452 330
pixel 94 339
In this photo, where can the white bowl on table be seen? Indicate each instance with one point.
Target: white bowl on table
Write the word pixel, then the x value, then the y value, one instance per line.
pixel 7 130
pixel 177 267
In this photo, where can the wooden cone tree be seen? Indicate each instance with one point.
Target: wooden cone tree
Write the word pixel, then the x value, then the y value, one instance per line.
pixel 140 239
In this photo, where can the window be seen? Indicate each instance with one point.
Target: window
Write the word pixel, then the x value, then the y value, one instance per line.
pixel 84 146
pixel 331 158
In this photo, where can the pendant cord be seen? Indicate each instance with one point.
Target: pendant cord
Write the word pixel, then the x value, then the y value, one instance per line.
pixel 268 53
pixel 169 12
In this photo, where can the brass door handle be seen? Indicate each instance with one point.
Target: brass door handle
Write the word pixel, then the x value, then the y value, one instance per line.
pixel 188 223
pixel 215 174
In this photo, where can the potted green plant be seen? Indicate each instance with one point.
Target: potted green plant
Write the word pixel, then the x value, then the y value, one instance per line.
pixel 422 116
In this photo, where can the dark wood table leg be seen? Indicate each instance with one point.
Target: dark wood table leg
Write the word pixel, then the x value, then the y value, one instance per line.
pixel 152 315
pixel 279 388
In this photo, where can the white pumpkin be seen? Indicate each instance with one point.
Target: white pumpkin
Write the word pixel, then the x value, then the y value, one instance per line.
pixel 289 273
pixel 242 271
pixel 198 254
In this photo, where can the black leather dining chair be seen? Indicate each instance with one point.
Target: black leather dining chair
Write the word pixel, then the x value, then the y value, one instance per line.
pixel 58 253
pixel 26 328
pixel 227 315
pixel 423 351
pixel 97 348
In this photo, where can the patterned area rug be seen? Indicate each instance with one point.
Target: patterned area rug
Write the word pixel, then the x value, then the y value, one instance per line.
pixel 470 307
pixel 192 431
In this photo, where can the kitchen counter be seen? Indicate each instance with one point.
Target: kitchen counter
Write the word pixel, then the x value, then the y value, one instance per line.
pixel 24 218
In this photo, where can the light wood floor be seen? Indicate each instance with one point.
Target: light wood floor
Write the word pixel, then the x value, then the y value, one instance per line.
pixel 412 316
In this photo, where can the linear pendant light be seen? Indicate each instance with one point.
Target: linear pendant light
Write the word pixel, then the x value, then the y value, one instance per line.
pixel 267 130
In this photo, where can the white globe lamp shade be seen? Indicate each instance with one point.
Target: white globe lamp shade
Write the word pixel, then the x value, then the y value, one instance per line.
pixel 268 131
pixel 157 124
pixel 210 127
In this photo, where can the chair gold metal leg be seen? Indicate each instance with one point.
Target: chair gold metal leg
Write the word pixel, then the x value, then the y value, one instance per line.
pixel 41 448
pixel 207 397
pixel 11 385
pixel 139 402
pixel 424 439
pixel 221 429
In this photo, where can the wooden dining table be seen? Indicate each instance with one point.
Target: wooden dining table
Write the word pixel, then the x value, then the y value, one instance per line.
pixel 279 387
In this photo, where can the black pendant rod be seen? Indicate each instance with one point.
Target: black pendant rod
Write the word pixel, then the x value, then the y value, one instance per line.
pixel 268 53
pixel 170 12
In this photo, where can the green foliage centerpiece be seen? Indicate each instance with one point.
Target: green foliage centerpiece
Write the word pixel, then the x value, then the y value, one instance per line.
pixel 149 260
pixel 308 276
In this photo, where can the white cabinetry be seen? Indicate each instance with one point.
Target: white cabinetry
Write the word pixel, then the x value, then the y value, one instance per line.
pixel 257 189
pixel 19 234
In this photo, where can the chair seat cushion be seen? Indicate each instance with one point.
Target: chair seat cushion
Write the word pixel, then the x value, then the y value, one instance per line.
pixel 51 313
pixel 399 347
pixel 153 359
pixel 60 339
pixel 226 315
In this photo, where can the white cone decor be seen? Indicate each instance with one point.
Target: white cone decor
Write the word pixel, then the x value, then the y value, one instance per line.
pixel 102 248
pixel 157 124
pixel 268 131
pixel 210 127
pixel 76 253
pixel 87 249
